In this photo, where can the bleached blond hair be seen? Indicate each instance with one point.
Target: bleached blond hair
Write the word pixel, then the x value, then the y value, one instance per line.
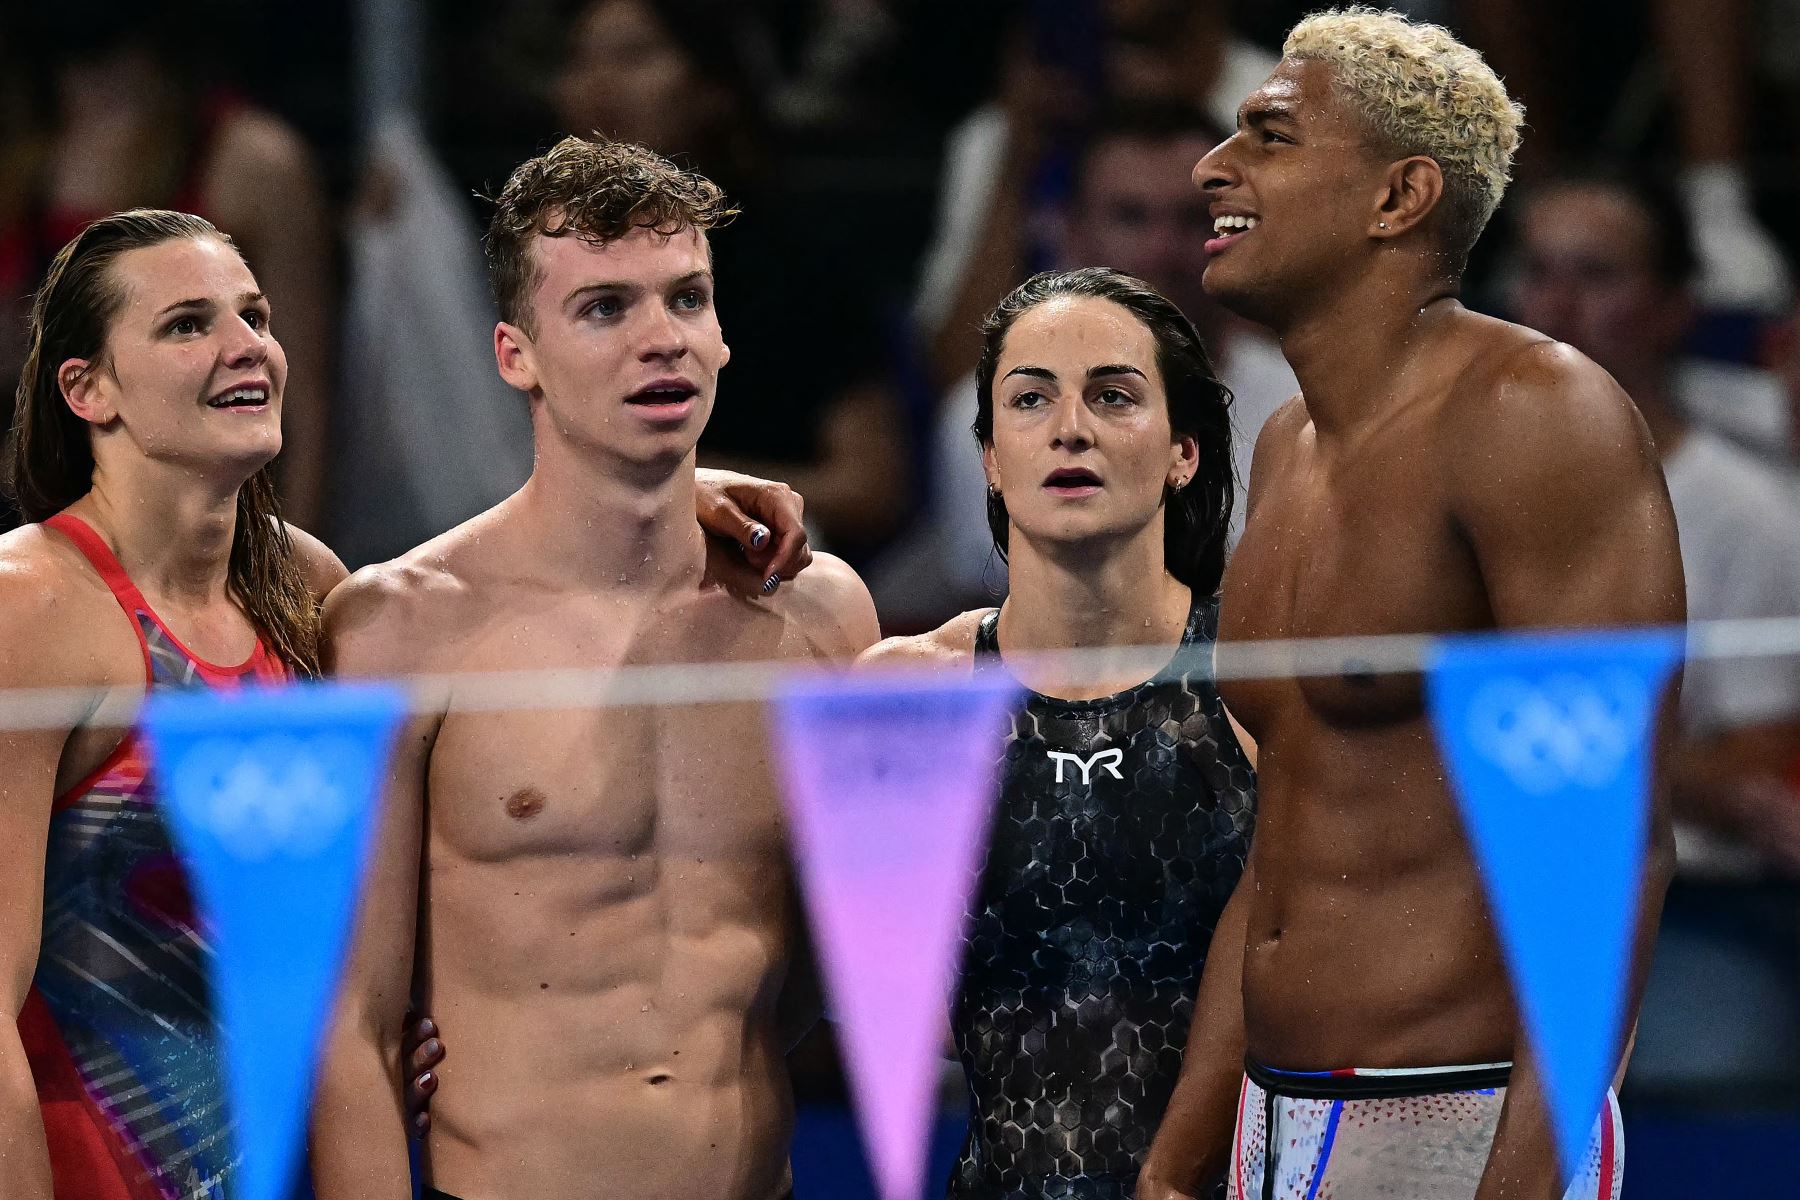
pixel 1423 92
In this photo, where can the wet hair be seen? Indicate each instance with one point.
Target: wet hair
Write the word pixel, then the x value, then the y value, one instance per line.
pixel 1421 91
pixel 1198 516
pixel 49 457
pixel 1673 257
pixel 597 190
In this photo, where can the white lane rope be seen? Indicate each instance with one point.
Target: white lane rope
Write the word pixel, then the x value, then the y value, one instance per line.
pixel 643 685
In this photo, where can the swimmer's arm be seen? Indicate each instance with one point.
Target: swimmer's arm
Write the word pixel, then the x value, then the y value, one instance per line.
pixel 835 605
pixel 949 647
pixel 359 1143
pixel 28 762
pixel 934 651
pixel 802 1003
pixel 1246 743
pixel 1192 1147
pixel 1555 485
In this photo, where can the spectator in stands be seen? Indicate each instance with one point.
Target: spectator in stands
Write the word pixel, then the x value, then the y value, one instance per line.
pixel 1703 51
pixel 1000 168
pixel 1778 426
pixel 1607 261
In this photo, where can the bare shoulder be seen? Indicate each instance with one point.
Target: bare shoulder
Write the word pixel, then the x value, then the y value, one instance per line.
pixel 1550 474
pixel 1283 428
pixel 1275 442
pixel 392 615
pixel 321 567
pixel 58 621
pixel 951 646
pixel 1523 396
pixel 830 598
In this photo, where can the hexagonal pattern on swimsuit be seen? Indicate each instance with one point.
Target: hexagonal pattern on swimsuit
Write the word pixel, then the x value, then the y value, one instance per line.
pixel 1103 882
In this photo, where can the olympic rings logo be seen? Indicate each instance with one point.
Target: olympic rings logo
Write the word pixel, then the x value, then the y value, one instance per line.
pixel 1567 730
pixel 273 796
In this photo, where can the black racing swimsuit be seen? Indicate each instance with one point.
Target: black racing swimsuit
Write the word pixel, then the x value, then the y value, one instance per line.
pixel 1121 829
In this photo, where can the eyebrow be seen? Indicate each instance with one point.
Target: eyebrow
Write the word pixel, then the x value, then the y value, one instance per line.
pixel 632 289
pixel 1266 111
pixel 204 302
pixel 1114 369
pixel 1049 376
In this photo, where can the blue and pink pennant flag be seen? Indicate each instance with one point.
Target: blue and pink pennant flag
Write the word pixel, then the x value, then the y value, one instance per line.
pixel 890 789
pixel 272 796
pixel 1547 739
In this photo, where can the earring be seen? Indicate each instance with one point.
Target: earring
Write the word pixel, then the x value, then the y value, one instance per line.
pixel 1382 224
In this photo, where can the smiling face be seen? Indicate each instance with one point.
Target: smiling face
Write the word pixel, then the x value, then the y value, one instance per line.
pixel 1292 194
pixel 190 372
pixel 1082 445
pixel 624 350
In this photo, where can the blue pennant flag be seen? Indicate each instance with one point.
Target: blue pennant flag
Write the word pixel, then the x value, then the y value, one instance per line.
pixel 271 796
pixel 1547 740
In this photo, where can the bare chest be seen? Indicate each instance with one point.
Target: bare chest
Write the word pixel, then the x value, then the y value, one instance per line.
pixel 605 774
pixel 1364 546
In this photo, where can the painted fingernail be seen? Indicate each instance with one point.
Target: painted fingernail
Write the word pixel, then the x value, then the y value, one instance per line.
pixel 770 584
pixel 759 536
pixel 425 1079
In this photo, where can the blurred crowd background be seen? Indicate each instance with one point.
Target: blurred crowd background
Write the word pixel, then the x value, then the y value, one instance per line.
pixel 900 165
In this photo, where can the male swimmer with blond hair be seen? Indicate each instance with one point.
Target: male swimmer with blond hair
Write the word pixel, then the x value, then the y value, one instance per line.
pixel 1440 472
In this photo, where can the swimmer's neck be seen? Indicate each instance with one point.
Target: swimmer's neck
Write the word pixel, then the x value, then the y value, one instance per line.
pixel 172 529
pixel 594 525
pixel 1091 595
pixel 1352 353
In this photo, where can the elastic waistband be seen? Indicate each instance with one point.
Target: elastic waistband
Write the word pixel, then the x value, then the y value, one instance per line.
pixel 1377 1083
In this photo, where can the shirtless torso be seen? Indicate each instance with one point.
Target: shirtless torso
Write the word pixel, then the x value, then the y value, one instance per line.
pixel 1504 482
pixel 606 913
